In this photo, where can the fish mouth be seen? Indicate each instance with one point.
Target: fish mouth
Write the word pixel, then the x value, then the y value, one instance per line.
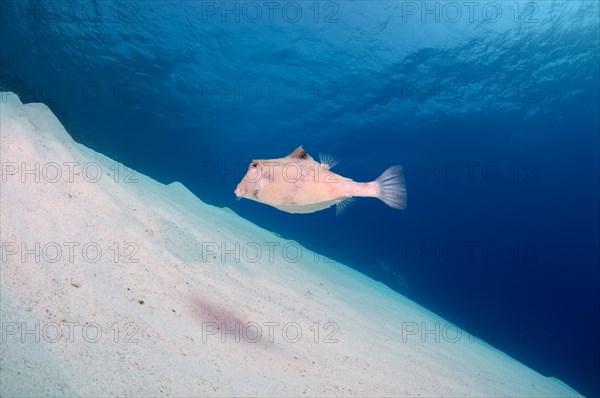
pixel 238 193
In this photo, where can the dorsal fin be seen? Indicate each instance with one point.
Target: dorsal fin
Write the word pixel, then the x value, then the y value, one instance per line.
pixel 300 153
pixel 328 161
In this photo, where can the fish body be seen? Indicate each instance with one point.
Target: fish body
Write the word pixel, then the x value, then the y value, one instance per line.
pixel 299 184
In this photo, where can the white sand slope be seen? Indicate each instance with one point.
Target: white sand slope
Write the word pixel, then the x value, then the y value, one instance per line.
pixel 117 287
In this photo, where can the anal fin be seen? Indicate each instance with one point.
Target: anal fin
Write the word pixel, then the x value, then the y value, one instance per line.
pixel 342 205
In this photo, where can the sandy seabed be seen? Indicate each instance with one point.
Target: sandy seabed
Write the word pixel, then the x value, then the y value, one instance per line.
pixel 113 284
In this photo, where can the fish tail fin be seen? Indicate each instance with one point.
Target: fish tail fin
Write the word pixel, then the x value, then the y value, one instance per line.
pixel 391 188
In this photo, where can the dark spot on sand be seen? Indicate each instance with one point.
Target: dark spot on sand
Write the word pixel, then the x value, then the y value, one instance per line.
pixel 216 319
pixel 206 311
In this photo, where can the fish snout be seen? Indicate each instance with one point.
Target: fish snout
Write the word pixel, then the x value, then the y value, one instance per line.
pixel 239 192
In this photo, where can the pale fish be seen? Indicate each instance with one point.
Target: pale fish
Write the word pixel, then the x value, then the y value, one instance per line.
pixel 299 184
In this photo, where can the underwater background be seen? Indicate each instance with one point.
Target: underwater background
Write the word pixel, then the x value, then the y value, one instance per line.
pixel 492 109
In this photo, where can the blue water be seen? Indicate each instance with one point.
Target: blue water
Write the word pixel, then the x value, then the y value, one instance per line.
pixel 491 107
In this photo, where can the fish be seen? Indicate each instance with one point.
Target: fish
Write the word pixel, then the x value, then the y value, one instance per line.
pixel 298 184
pixel 395 273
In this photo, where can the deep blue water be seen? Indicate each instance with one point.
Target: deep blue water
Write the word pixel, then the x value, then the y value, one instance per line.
pixel 491 107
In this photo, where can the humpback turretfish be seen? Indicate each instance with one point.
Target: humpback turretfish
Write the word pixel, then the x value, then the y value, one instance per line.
pixel 299 184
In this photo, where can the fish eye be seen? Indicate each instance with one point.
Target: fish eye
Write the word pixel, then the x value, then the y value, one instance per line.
pixel 254 164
